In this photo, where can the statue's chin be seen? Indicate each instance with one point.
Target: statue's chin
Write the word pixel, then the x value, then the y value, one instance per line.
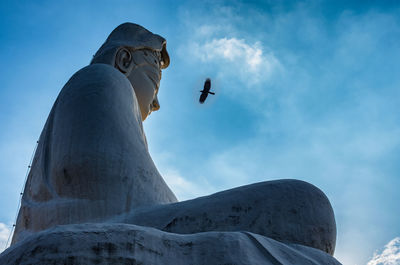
pixel 144 109
pixel 144 116
pixel 146 112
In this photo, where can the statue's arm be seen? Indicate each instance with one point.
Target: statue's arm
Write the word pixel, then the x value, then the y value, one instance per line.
pixel 96 133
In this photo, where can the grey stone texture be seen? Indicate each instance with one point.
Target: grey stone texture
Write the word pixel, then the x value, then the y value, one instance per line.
pixel 123 244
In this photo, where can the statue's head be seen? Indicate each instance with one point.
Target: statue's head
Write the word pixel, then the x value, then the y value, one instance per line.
pixel 140 55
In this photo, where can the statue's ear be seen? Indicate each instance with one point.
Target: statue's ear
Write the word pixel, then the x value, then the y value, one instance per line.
pixel 123 60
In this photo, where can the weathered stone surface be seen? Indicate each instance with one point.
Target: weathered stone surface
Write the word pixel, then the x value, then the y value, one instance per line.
pixel 288 210
pixel 131 244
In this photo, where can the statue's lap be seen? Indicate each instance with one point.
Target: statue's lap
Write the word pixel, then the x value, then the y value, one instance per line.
pixel 286 210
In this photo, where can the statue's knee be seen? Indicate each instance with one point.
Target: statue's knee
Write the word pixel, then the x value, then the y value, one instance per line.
pixel 293 211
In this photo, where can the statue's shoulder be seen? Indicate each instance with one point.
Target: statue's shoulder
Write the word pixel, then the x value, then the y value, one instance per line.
pixel 104 70
pixel 98 75
pixel 99 84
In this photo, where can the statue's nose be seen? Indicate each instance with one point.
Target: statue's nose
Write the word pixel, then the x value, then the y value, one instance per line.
pixel 155 104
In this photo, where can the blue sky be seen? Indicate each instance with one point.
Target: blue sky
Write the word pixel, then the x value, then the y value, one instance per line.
pixel 306 90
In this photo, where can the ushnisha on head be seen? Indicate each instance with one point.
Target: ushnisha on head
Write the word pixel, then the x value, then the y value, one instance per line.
pixel 139 55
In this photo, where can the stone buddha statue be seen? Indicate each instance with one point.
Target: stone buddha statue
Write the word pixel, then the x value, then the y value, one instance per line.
pixel 92 163
pixel 92 160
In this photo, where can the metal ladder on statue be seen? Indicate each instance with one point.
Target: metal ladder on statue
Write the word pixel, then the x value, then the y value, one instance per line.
pixel 20 195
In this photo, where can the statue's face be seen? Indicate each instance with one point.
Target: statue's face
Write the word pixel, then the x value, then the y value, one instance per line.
pixel 145 79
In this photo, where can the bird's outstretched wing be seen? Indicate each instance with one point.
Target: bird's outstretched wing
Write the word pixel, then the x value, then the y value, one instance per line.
pixel 203 97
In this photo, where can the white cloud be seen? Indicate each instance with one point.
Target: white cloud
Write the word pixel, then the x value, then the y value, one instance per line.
pixel 179 182
pixel 248 61
pixel 232 50
pixel 390 254
pixel 183 188
pixel 4 234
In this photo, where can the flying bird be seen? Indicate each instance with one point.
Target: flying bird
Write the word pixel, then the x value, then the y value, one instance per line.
pixel 205 91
